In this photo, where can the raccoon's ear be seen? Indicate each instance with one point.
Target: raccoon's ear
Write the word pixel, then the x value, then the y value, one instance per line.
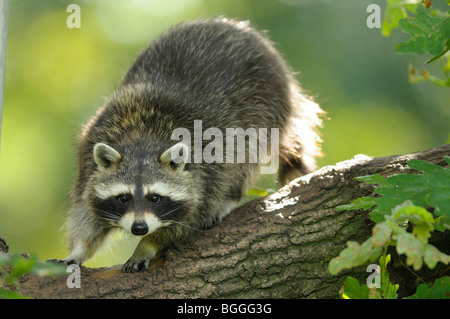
pixel 105 156
pixel 175 157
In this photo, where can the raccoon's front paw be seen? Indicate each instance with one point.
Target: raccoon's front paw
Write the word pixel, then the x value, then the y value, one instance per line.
pixel 144 252
pixel 65 261
pixel 133 265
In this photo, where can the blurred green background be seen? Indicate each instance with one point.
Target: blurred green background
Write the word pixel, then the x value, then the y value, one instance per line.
pixel 56 77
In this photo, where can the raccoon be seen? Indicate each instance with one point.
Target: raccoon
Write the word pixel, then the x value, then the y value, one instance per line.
pixel 133 175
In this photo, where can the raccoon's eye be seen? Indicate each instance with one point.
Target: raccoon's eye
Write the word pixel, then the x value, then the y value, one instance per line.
pixel 123 198
pixel 155 198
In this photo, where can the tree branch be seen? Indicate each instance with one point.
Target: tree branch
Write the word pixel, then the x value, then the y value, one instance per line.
pixel 278 246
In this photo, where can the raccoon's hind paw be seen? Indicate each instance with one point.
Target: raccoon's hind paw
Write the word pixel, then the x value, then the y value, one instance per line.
pixel 136 265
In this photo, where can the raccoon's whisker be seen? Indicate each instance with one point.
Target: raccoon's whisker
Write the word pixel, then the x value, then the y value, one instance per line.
pixel 182 224
pixel 108 221
pixel 107 215
pixel 173 210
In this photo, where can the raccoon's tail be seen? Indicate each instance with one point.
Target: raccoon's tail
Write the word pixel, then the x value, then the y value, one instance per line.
pixel 300 145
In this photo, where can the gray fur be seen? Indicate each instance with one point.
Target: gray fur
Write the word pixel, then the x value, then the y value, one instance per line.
pixel 219 71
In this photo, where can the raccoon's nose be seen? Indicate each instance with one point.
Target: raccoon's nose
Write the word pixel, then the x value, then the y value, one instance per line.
pixel 139 229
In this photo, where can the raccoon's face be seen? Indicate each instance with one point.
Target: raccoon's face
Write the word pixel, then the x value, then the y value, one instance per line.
pixel 141 190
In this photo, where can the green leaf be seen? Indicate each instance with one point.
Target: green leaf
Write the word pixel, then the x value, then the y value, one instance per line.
pixel 413 249
pixel 353 290
pixel 376 216
pixel 424 166
pixel 395 11
pixel 257 192
pixel 422 219
pixel 408 189
pixel 359 203
pixel 381 235
pixel 418 252
pixel 447 48
pixel 11 294
pixel 432 256
pixel 422 232
pixel 440 200
pixel 404 198
pixel 48 269
pixel 432 188
pixel 441 224
pixel 374 179
pixel 32 264
pixel 389 291
pixel 21 265
pixel 354 255
pixel 439 290
pixel 428 33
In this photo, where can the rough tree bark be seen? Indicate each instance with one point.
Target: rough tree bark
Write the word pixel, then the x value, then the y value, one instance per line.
pixel 278 246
